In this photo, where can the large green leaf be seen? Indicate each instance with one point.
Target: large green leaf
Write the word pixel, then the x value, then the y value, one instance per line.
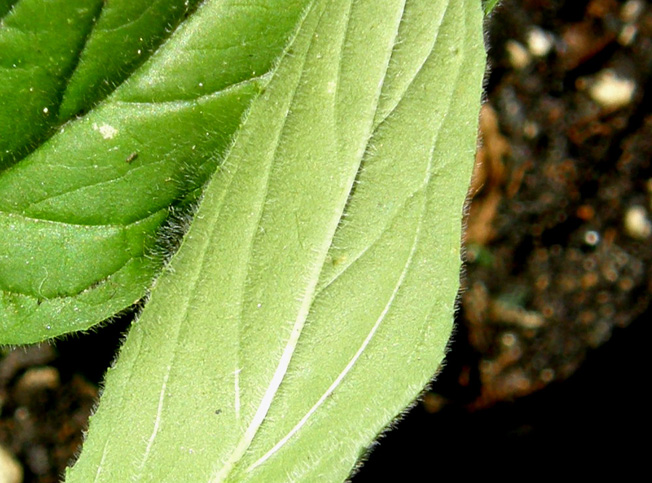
pixel 110 113
pixel 313 297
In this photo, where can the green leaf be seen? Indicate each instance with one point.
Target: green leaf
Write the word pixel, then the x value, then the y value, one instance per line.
pixel 313 297
pixel 112 112
pixel 489 5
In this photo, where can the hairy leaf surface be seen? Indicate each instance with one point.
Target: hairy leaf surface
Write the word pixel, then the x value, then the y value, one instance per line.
pixel 111 113
pixel 313 297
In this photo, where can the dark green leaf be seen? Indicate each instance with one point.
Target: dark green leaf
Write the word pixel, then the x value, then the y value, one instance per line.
pixel 158 89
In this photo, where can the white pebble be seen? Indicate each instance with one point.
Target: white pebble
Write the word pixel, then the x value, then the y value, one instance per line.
pixel 591 237
pixel 627 35
pixel 611 91
pixel 519 57
pixel 539 42
pixel 637 224
pixel 631 10
pixel 10 469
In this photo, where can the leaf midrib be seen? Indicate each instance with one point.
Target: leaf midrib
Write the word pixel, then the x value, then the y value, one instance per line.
pixel 247 437
pixel 279 375
pixel 421 189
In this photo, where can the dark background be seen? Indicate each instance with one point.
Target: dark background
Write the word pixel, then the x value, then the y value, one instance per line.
pixel 595 420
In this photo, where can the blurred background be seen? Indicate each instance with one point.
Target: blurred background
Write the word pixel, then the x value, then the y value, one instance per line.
pixel 546 366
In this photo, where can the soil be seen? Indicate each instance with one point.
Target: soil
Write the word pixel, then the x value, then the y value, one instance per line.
pixel 555 310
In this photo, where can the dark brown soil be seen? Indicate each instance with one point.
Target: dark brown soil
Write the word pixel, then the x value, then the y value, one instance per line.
pixel 558 278
pixel 557 256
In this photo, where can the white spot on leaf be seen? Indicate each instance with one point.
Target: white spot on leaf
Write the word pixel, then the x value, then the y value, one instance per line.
pixel 107 131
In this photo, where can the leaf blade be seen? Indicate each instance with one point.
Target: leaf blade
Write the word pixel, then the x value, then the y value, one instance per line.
pixel 150 145
pixel 489 5
pixel 272 355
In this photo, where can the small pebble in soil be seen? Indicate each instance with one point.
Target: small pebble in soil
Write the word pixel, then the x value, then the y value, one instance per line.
pixel 612 91
pixel 10 469
pixel 39 378
pixel 539 42
pixel 530 129
pixel 38 459
pixel 631 10
pixel 627 35
pixel 35 381
pixel 519 56
pixel 547 375
pixel 637 224
pixel 592 238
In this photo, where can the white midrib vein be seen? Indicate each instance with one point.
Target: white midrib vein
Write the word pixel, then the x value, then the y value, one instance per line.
pixel 274 384
pixel 336 383
pixel 348 367
pixel 288 352
pixel 287 355
pixel 279 373
pixel 292 342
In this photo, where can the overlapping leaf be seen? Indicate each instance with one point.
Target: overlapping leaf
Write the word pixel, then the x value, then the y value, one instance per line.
pixel 110 113
pixel 489 5
pixel 313 297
